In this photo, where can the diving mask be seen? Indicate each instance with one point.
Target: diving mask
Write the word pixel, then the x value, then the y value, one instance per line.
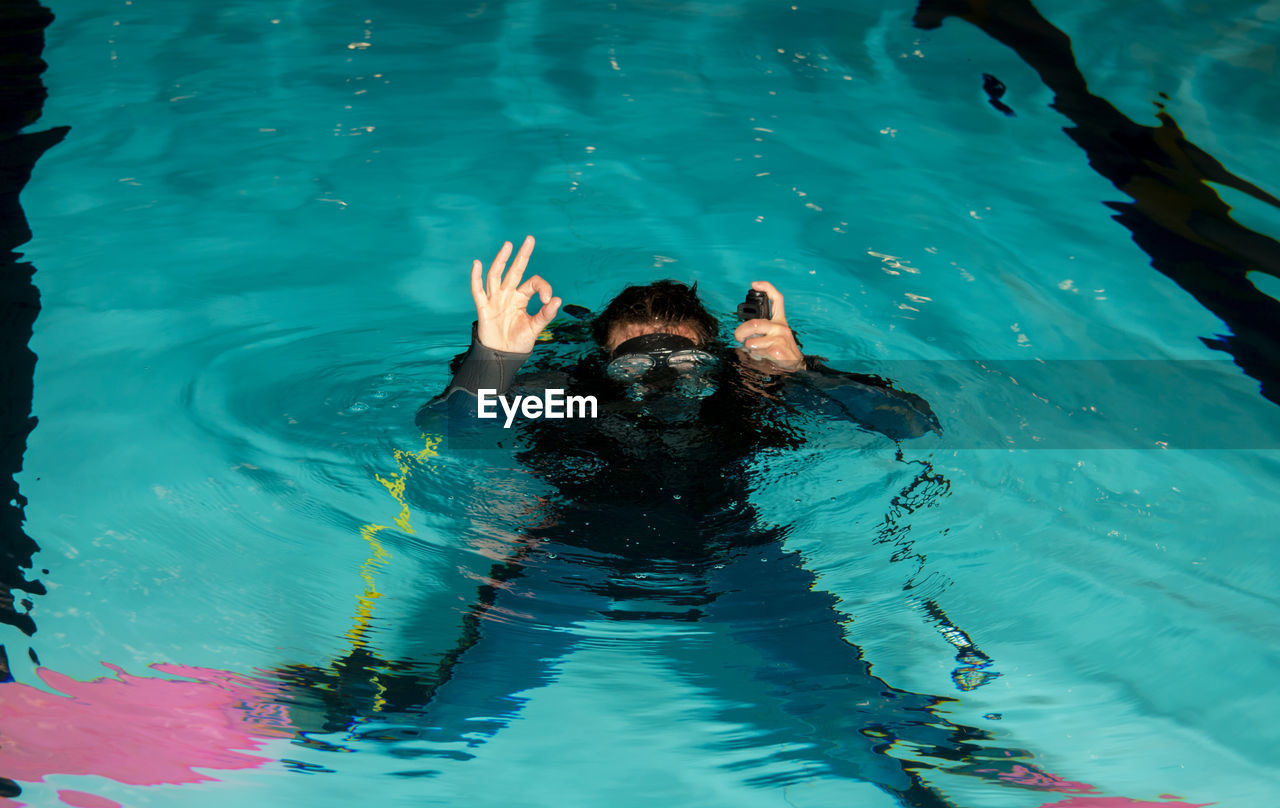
pixel 640 355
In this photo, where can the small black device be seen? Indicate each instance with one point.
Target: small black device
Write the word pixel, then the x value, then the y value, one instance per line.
pixel 755 307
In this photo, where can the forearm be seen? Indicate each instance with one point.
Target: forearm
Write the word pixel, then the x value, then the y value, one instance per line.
pixel 481 368
pixel 870 401
pixel 484 368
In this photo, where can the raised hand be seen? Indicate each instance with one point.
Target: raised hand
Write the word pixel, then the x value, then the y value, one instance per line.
pixel 503 321
pixel 770 340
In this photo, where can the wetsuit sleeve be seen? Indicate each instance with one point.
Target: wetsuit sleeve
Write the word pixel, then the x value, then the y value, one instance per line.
pixel 870 401
pixel 484 368
pixel 481 368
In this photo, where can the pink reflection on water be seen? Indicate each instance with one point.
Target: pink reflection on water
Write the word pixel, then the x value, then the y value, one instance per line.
pixel 83 799
pixel 136 730
pixel 1045 781
pixel 141 730
pixel 1034 778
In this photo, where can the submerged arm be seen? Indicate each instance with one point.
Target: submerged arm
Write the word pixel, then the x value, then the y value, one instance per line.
pixel 869 401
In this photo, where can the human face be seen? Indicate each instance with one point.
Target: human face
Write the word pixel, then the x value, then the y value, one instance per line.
pixel 660 363
pixel 642 357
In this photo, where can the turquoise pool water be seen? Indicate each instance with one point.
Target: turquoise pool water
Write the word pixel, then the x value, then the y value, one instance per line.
pixel 252 251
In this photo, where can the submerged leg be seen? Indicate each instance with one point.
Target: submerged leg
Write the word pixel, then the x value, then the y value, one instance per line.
pixel 774 649
pixel 507 642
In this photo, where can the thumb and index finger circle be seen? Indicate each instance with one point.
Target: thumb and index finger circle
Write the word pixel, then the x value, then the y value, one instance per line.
pixel 536 284
pixel 547 313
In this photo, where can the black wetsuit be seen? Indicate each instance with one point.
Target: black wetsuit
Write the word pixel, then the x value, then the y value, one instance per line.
pixel 677 460
pixel 644 513
pixel 649 518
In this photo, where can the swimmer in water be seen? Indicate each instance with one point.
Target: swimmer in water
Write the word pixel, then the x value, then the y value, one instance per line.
pixel 659 339
pixel 651 519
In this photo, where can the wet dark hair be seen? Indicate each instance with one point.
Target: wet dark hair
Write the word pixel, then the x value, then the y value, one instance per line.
pixel 666 303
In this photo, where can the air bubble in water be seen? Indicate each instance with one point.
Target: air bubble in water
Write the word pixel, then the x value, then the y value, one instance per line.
pixel 359 406
pixel 380 394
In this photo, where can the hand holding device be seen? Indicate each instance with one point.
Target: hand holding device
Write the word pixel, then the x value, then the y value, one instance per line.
pixel 766 337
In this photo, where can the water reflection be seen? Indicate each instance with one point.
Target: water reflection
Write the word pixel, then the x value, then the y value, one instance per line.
pixel 1176 216
pixel 136 730
pixel 648 520
pixel 21 42
pixel 771 649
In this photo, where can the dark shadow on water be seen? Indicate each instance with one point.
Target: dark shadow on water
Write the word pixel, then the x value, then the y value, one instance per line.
pixel 1175 216
pixel 22 95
